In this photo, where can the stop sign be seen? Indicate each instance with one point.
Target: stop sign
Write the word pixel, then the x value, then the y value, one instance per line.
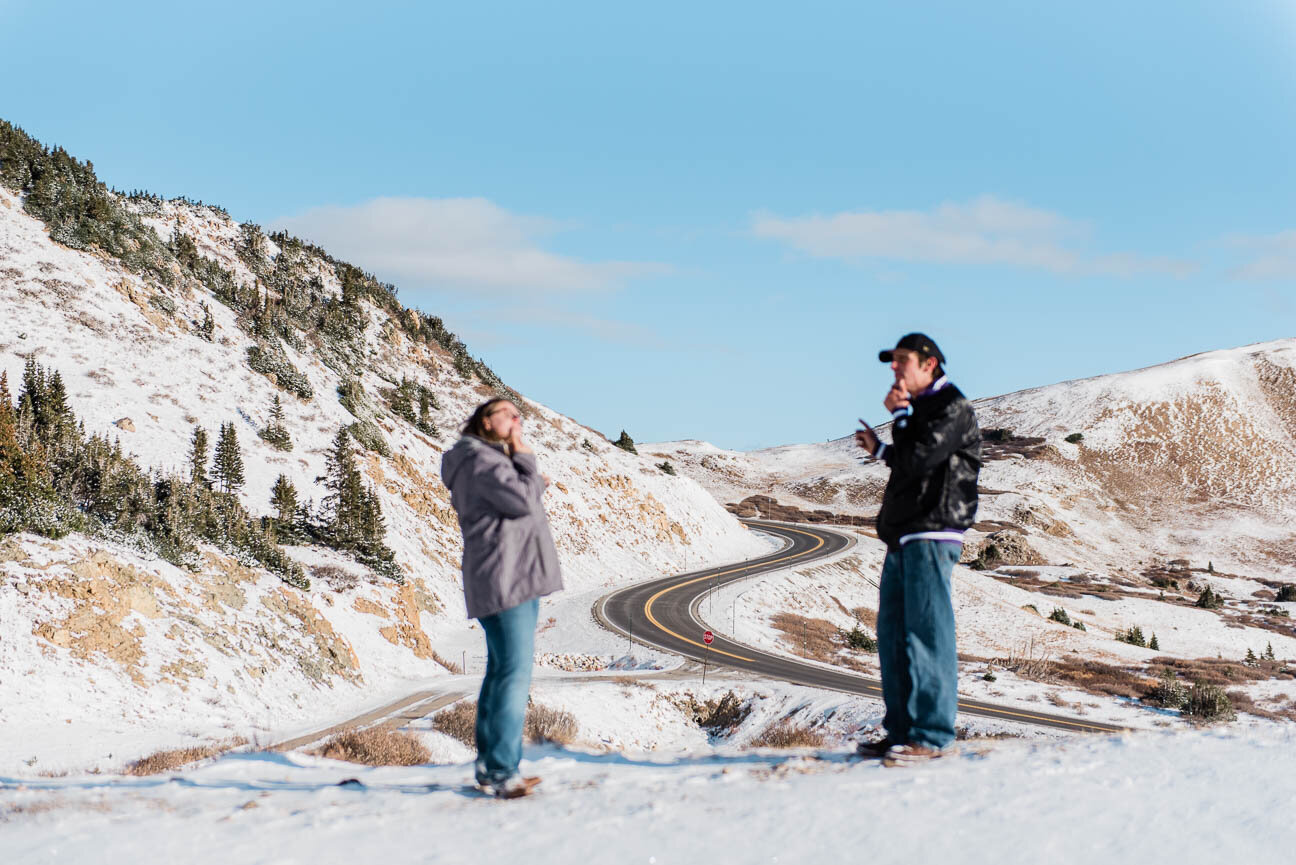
pixel 707 637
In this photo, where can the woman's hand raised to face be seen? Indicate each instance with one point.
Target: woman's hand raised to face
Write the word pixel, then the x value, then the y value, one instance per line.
pixel 515 442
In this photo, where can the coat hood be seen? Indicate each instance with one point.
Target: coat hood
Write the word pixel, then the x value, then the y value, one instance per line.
pixel 464 451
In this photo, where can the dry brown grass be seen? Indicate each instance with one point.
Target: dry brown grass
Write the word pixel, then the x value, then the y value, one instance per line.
pixel 811 638
pixel 785 734
pixel 1102 679
pixel 542 724
pixel 963 734
pixel 376 746
pixel 866 617
pixel 176 758
pixel 634 681
pixel 458 721
pixel 1215 671
pixel 1031 660
pixel 449 665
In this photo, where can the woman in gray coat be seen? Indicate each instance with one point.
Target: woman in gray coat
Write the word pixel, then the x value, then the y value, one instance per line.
pixel 509 561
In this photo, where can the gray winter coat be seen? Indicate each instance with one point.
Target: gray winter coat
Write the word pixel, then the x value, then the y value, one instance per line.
pixel 509 556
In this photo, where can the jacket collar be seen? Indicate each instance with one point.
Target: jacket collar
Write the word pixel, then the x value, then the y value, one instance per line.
pixel 938 384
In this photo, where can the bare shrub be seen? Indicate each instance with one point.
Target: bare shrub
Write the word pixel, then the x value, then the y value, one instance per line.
pixel 785 734
pixel 544 724
pixel 458 721
pixel 337 579
pixel 175 758
pixel 376 746
pixel 1030 660
pixel 716 716
pixel 1019 572
pixel 964 734
pixel 449 665
pixel 634 681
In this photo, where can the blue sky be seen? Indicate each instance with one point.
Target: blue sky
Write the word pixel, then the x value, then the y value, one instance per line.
pixel 703 220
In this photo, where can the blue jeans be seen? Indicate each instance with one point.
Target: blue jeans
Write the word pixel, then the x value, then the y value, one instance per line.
pixel 501 706
pixel 916 643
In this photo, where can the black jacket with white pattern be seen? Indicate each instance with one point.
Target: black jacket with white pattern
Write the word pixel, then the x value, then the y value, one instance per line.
pixel 935 459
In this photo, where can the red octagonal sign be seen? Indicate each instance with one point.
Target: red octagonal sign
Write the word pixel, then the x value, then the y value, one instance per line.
pixel 707 637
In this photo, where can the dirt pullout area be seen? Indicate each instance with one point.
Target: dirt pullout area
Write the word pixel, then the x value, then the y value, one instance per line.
pixel 766 507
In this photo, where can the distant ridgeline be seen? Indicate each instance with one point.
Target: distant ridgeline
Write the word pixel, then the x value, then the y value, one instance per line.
pixel 54 478
pixel 82 213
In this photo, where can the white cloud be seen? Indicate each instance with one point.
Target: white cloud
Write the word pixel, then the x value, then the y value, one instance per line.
pixel 467 244
pixel 986 230
pixel 1274 256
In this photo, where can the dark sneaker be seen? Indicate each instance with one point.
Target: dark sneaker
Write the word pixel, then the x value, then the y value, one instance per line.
pixel 910 755
pixel 874 750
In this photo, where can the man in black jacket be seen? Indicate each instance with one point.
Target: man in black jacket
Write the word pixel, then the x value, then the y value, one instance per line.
pixel 929 502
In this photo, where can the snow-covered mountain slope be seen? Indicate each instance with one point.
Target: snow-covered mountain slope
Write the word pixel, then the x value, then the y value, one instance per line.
pixel 90 627
pixel 1193 459
pixel 1184 478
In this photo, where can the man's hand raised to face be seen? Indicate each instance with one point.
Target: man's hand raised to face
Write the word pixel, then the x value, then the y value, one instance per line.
pixel 897 397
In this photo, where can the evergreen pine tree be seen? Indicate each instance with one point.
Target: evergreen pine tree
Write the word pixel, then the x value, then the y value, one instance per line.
pixel 626 443
pixel 1154 645
pixel 1269 652
pixel 198 457
pixel 1210 567
pixel 275 432
pixel 402 400
pixel 283 498
pixel 427 402
pixel 58 411
pixel 208 325
pixel 15 473
pixel 229 460
pixel 345 502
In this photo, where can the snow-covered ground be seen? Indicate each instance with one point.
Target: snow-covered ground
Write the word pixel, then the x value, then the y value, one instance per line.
pixel 1187 798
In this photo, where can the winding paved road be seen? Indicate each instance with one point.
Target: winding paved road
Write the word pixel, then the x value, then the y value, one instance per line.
pixel 663 613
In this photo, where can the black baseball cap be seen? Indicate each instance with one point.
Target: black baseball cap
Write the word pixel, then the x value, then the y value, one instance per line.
pixel 919 342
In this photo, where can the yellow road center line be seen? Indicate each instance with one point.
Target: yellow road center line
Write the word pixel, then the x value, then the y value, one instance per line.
pixel 819 542
pixel 649 605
